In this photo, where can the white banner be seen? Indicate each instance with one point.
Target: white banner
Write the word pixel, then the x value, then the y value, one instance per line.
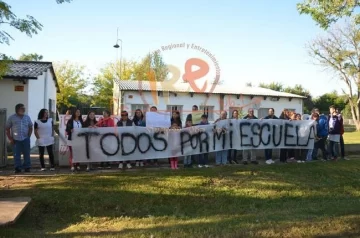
pixel 138 143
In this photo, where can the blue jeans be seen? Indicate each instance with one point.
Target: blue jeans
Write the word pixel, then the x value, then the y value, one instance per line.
pixel 221 157
pixel 333 149
pixel 187 159
pixel 268 154
pixel 203 158
pixel 22 147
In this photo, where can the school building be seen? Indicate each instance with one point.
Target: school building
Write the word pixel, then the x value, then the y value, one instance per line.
pixel 130 95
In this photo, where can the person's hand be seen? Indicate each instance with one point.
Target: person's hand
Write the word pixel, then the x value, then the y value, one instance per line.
pixel 12 142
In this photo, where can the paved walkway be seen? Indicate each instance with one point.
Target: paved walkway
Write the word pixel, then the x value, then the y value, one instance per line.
pixel 11 209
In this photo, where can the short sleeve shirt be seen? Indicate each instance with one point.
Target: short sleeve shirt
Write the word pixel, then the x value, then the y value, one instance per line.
pixel 19 126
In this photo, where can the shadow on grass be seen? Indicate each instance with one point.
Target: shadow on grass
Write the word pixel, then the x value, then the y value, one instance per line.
pixel 251 201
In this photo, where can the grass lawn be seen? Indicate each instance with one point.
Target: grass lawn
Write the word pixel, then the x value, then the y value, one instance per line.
pixel 292 200
pixel 352 137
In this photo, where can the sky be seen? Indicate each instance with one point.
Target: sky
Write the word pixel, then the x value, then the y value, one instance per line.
pixel 252 41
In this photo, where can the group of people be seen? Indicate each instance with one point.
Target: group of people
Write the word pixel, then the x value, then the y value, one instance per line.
pixel 19 128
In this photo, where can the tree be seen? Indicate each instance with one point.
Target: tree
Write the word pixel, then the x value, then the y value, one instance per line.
pixel 324 101
pixel 152 61
pixel 297 89
pixel 327 12
pixel 103 83
pixel 273 86
pixel 339 51
pixel 28 25
pixel 72 81
pixel 31 57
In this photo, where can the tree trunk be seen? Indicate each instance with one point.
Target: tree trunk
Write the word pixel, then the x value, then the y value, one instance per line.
pixel 357 125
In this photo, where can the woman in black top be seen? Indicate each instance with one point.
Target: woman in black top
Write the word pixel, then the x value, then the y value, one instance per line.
pixel 74 122
pixel 90 122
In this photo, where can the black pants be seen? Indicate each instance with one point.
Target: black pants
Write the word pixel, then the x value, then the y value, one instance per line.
pixel 342 146
pixel 49 149
pixel 232 154
pixel 320 144
pixel 283 155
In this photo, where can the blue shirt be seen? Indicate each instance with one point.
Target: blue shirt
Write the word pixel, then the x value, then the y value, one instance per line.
pixel 19 126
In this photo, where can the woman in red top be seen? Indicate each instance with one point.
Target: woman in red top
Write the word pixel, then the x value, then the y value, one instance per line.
pixel 106 121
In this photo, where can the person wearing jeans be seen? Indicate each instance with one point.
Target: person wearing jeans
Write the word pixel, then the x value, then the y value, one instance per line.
pixel 221 157
pixel 187 161
pixel 18 130
pixel 334 122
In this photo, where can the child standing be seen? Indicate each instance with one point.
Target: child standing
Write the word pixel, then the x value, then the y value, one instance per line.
pixel 174 160
pixel 187 158
pixel 309 154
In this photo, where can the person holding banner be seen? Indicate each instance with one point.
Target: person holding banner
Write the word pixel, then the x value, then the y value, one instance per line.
pixel 155 161
pixel 175 118
pixel 106 121
pixel 125 121
pixel 322 133
pixel 250 152
pixel 139 120
pixel 284 152
pixel 174 160
pixel 268 152
pixel 90 122
pixel 233 153
pixel 75 121
pixel 44 132
pixel 221 156
pixel 204 157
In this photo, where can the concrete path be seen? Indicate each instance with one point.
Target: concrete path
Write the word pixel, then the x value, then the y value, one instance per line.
pixel 11 209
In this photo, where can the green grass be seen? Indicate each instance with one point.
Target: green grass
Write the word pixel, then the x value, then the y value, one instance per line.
pixel 352 137
pixel 293 200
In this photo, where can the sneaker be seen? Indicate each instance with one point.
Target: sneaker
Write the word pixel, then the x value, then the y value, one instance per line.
pixel 17 171
pixel 78 168
pixel 344 158
pixel 232 162
pixel 137 164
pixel 43 169
pixel 27 170
pixel 52 169
pixel 108 167
pixel 141 164
pixel 206 166
pixel 254 162
pixel 128 166
pixel 245 163
pixel 200 166
pixel 72 169
pixel 88 169
pixel 269 161
pixel 121 166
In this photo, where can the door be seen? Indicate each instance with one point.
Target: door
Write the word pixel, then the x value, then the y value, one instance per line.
pixel 3 144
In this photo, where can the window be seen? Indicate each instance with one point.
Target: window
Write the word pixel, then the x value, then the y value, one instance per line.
pixel 290 109
pixel 263 112
pixel 209 111
pixel 171 108
pixel 143 107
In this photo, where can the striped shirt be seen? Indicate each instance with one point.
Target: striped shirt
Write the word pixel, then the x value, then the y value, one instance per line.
pixel 19 126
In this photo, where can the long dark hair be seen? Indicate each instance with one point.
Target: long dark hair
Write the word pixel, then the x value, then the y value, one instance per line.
pixel 176 120
pixel 42 113
pixel 73 116
pixel 136 119
pixel 88 120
